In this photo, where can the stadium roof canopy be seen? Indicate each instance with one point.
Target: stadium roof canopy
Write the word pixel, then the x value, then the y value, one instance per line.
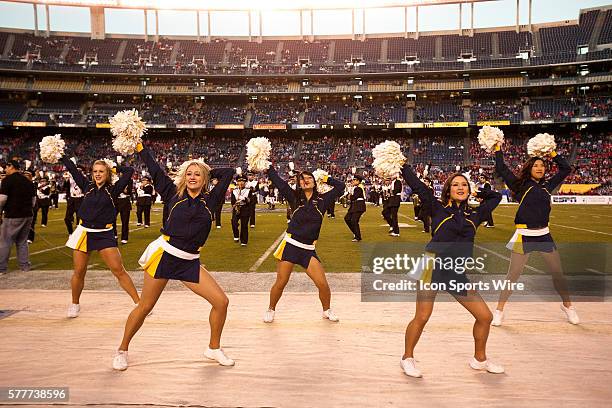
pixel 238 5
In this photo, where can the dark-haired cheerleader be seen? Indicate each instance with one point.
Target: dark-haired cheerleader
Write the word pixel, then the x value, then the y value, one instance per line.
pixel 298 245
pixel 454 226
pixel 533 191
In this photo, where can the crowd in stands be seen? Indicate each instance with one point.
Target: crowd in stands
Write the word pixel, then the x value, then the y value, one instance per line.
pixel 226 56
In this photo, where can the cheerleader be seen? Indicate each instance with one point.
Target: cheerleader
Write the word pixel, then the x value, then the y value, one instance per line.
pixel 298 246
pixel 95 231
pixel 144 200
pixel 357 207
pixel 176 253
pixel 456 223
pixel 532 234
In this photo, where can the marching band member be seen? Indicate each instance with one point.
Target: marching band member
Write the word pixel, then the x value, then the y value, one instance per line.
pixel 485 185
pixel 357 207
pixel 298 246
pixel 94 233
pixel 241 200
pixel 453 222
pixel 74 198
pixel 253 185
pixel 43 201
pixel 144 200
pixel 217 210
pixel 532 191
pixel 124 207
pixel 394 195
pixel 176 253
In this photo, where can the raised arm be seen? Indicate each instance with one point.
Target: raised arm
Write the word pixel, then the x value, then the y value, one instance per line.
pixel 490 200
pixel 283 187
pixel 417 186
pixel 163 184
pixel 564 170
pixel 217 194
pixel 331 196
pixel 78 177
pixel 503 170
pixel 124 180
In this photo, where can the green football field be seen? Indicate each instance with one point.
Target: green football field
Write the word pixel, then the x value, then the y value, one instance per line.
pixel 588 228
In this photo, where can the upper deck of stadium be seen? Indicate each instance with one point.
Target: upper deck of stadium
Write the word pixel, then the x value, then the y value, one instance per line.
pixel 586 39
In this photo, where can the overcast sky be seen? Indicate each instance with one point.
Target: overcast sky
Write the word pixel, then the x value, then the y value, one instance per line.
pixel 487 14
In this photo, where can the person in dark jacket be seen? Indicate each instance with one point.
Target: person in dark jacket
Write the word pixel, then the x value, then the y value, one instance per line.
pixel 17 197
pixel 144 200
pixel 532 190
pixel 124 208
pixel 391 206
pixel 241 199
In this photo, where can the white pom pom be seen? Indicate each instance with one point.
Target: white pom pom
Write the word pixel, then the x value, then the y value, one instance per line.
pixel 52 148
pixel 258 153
pixel 319 175
pixel 239 171
pixel 489 136
pixel 541 145
pixel 291 166
pixel 128 128
pixel 388 158
pixel 183 168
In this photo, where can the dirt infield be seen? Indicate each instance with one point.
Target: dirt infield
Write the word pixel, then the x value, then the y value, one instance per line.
pixel 300 359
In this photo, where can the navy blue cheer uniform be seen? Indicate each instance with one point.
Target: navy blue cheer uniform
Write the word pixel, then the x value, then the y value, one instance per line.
pixel 176 254
pixel 97 211
pixel 298 246
pixel 454 228
pixel 533 213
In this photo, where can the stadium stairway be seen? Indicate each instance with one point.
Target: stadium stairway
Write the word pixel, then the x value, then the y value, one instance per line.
pixel 279 52
pixel 601 18
pixel 495 45
pixel 8 46
pixel 175 50
pixel 120 52
pixel 330 52
pixel 384 51
pixel 537 43
pixel 65 50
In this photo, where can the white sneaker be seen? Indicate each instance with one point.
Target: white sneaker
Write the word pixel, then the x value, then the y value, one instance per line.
pixel 29 241
pixel 252 226
pixel 498 317
pixel 218 226
pixel 570 313
pixel 486 365
pixel 124 241
pixel 409 367
pixel 236 239
pixel 243 244
pixel 73 310
pixel 268 316
pixel 393 234
pixel 120 361
pixel 138 224
pixel 147 226
pixel 219 356
pixel 330 315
